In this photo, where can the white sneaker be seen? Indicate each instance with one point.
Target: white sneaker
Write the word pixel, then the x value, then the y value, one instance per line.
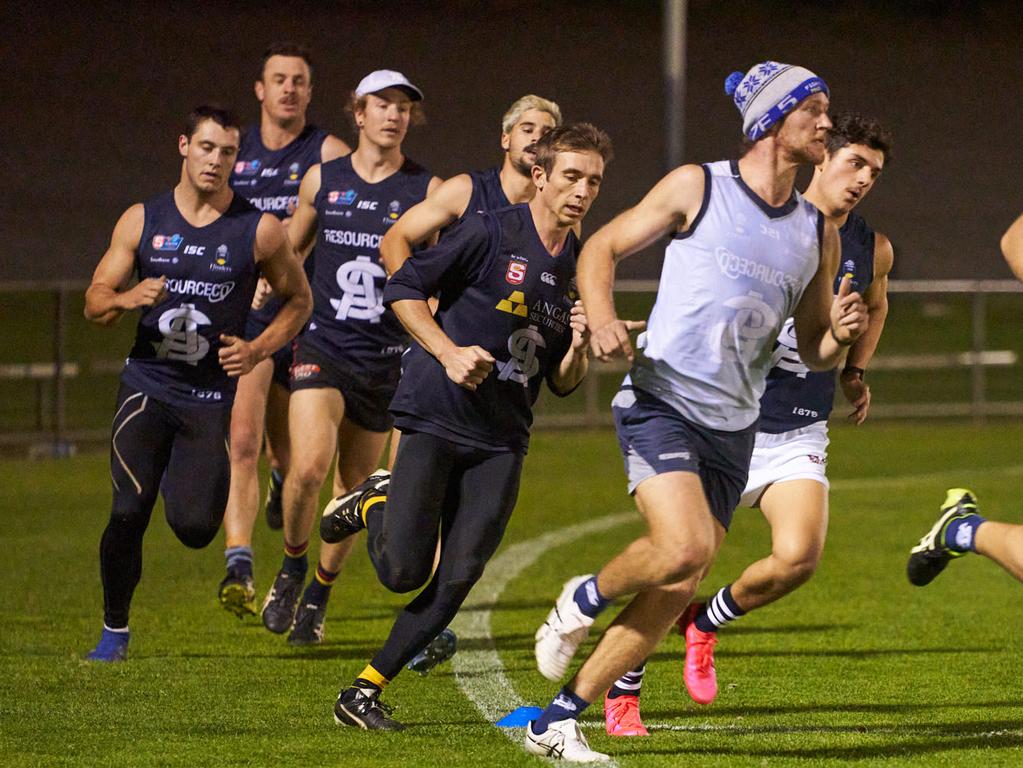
pixel 559 637
pixel 563 740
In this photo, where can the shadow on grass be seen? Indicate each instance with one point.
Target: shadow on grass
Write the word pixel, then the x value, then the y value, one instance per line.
pixel 849 653
pixel 907 741
pixel 817 708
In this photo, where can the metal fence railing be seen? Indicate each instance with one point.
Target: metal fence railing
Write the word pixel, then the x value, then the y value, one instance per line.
pixel 962 347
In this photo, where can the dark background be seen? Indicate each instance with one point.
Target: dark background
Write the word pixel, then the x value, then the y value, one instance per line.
pixel 94 97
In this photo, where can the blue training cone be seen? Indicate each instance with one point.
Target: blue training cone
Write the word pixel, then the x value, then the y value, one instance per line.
pixel 518 718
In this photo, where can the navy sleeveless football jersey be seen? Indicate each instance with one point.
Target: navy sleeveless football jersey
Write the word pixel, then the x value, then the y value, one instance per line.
pixel 211 276
pixel 501 290
pixel 349 317
pixel 269 179
pixel 795 396
pixel 487 192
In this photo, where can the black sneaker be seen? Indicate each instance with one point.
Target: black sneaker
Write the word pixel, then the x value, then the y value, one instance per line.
pixel 362 708
pixel 308 628
pixel 342 516
pixel 274 502
pixel 439 650
pixel 237 594
pixel 281 602
pixel 929 558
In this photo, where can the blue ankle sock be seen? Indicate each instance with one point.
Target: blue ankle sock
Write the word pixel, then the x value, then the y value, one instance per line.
pixel 589 599
pixel 960 533
pixel 719 610
pixel 566 706
pixel 295 559
pixel 318 591
pixel 239 560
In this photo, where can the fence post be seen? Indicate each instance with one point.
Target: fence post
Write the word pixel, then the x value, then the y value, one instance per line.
pixel 978 376
pixel 61 447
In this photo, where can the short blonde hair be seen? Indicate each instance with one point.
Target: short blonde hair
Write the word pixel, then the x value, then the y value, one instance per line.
pixel 526 103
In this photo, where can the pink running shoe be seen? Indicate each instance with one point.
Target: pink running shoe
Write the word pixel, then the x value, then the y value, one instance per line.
pixel 698 672
pixel 621 716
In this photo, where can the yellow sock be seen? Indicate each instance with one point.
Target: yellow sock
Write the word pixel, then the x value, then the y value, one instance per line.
pixel 369 503
pixel 370 675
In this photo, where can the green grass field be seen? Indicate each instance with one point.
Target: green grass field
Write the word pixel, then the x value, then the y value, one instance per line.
pixel 856 667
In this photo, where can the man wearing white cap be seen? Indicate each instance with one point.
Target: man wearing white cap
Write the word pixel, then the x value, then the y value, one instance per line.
pixel 347 362
pixel 746 252
pixel 528 119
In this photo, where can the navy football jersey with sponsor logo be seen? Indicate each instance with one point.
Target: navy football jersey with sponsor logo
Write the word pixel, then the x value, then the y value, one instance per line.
pixel 795 396
pixel 211 276
pixel 501 290
pixel 270 178
pixel 349 317
pixel 487 192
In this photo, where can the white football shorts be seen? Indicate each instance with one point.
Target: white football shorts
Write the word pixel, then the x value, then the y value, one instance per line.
pixel 800 454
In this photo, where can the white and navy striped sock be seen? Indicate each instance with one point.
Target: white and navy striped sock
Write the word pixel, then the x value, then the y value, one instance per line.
pixel 719 610
pixel 628 684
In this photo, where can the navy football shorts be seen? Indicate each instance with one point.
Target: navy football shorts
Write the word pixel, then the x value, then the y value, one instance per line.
pixel 656 439
pixel 366 387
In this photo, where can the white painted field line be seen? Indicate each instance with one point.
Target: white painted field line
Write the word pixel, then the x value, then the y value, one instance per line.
pixel 478 670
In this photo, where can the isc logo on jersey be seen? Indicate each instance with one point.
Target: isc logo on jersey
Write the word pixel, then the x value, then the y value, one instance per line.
pixel 336 197
pixel 247 167
pixel 167 242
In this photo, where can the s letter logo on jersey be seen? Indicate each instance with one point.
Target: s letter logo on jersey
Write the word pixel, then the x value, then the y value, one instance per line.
pixel 515 304
pixel 522 345
pixel 181 339
pixel 360 297
pixel 167 242
pixel 516 272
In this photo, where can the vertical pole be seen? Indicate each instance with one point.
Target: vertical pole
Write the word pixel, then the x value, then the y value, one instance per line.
pixel 674 65
pixel 978 376
pixel 59 332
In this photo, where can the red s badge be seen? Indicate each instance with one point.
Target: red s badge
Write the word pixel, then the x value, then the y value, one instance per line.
pixel 516 272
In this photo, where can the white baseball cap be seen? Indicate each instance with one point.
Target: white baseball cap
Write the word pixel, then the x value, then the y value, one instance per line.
pixel 377 81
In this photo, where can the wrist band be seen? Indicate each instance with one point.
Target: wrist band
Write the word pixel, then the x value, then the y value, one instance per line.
pixel 853 370
pixel 838 340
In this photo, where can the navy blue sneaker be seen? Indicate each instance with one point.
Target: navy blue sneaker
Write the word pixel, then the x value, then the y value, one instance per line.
pixel 112 646
pixel 362 708
pixel 342 517
pixel 439 650
pixel 274 501
pixel 281 601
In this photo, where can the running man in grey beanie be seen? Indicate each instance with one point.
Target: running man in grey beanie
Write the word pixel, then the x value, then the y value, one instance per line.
pixel 746 252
